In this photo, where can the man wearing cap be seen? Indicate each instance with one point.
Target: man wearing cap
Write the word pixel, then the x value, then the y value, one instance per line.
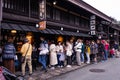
pixel 27 50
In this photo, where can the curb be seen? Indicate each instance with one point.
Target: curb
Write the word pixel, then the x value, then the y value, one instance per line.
pixel 82 66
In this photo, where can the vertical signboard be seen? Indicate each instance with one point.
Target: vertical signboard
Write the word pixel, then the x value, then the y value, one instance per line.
pixel 93 25
pixel 42 9
pixel 42 14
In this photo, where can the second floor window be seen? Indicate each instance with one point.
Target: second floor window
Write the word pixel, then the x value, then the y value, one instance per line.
pixel 56 14
pixel 22 7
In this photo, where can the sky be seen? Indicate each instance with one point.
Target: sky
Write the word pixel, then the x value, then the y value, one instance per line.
pixel 109 7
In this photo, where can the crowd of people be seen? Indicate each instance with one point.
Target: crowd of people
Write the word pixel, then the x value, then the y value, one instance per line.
pixel 60 54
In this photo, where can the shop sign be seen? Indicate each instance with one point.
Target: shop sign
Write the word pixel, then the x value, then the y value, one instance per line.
pixel 92 17
pixel 93 32
pixel 42 7
pixel 93 25
pixel 42 25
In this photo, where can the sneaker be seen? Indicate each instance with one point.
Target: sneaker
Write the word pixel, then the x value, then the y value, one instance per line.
pixel 52 68
pixel 82 62
pixel 69 66
pixel 61 66
pixel 88 62
pixel 58 66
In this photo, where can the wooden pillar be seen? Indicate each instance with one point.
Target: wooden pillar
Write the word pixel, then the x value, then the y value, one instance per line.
pixel 29 9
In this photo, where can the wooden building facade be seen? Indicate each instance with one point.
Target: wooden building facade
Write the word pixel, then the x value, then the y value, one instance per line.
pixel 21 18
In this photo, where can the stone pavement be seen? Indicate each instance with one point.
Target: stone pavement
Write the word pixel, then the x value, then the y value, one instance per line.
pixel 41 75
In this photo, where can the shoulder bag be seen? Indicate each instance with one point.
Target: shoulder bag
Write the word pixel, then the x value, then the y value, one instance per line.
pixel 23 57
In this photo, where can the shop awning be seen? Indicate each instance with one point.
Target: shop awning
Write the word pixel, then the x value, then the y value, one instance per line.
pixel 84 35
pixel 34 29
pixel 61 32
pixel 19 27
pixel 6 26
pixel 25 28
pixel 55 31
pixel 15 27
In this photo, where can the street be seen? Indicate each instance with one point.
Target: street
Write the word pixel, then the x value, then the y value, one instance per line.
pixel 109 70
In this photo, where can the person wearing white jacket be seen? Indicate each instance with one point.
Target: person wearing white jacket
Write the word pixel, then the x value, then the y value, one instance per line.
pixel 69 53
pixel 53 55
pixel 78 49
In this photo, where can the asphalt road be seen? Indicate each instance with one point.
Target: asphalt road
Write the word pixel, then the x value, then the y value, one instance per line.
pixel 111 71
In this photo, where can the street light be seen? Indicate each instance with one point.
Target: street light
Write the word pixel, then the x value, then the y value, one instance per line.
pixel 115 33
pixel 54 2
pixel 37 25
pixel 77 31
pixel 61 28
pixel 99 37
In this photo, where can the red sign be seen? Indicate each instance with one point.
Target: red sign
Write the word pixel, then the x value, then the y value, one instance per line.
pixel 42 25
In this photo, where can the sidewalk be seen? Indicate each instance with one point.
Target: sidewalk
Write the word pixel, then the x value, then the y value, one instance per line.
pixel 41 75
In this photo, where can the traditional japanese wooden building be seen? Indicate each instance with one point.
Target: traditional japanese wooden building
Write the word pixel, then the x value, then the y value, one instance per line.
pixel 53 19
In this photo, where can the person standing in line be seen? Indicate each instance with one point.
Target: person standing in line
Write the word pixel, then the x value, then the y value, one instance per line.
pixel 101 50
pixel 43 53
pixel 60 53
pixel 106 44
pixel 27 50
pixel 93 49
pixel 69 51
pixel 8 55
pixel 116 47
pixel 53 55
pixel 73 53
pixel 87 51
pixel 34 58
pixel 78 50
pixel 82 53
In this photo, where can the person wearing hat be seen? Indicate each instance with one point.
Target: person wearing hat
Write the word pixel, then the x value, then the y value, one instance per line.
pixel 26 51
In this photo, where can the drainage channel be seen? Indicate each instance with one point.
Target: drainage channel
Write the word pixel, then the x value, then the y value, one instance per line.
pixel 97 70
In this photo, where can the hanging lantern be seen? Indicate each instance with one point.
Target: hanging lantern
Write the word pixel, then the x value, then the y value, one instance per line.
pixel 60 38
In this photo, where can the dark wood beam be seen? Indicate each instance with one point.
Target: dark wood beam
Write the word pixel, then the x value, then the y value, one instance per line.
pixel 19 18
pixel 52 23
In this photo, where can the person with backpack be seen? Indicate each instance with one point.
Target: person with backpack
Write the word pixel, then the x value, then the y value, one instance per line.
pixel 43 51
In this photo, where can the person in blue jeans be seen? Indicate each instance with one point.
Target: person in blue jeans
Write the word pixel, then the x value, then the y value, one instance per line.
pixel 106 44
pixel 43 53
pixel 42 60
pixel 82 53
pixel 60 50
